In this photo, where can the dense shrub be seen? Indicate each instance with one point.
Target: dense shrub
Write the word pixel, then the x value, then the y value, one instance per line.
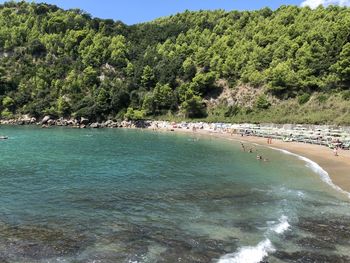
pixel 302 99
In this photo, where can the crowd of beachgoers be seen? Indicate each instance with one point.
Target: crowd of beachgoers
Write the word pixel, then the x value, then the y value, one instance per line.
pixel 333 137
pixel 330 136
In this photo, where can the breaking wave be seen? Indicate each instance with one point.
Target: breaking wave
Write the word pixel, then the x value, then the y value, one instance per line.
pixel 255 254
pixel 316 168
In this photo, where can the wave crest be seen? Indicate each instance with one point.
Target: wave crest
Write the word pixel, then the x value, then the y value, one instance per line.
pixel 249 254
pixel 257 253
pixel 316 168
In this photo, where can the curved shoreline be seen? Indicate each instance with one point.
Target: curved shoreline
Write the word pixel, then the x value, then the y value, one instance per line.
pixel 336 167
pixel 317 169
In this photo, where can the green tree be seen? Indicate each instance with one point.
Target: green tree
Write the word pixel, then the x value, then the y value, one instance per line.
pixel 203 83
pixel 163 96
pixel 189 68
pixel 342 67
pixel 262 102
pixel 118 50
pixel 148 78
pixel 148 105
pixel 102 101
pixel 132 114
pixel 63 107
pixel 8 103
pixel 282 80
pixel 193 107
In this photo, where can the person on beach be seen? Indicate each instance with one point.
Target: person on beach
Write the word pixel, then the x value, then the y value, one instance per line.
pixel 335 151
pixel 259 157
pixel 243 147
pixel 250 150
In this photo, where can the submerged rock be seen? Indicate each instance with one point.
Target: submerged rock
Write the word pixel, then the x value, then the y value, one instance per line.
pixel 307 256
pixel 327 230
pixel 35 243
pixel 316 243
pixel 176 244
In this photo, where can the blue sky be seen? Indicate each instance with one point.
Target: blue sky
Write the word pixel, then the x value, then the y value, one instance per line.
pixel 135 11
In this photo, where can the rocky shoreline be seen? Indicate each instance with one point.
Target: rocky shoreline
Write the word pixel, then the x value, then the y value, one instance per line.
pixel 313 134
pixel 82 123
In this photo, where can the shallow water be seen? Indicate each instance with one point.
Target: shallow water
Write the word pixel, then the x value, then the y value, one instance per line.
pixel 112 195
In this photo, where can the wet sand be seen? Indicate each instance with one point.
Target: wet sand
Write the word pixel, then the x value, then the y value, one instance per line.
pixel 338 167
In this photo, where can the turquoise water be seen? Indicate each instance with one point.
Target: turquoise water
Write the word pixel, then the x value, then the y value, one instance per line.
pixel 112 195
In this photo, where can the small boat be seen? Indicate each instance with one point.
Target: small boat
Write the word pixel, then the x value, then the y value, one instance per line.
pixel 3 137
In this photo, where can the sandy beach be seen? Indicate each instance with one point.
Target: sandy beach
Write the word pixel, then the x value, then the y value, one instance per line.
pixel 337 167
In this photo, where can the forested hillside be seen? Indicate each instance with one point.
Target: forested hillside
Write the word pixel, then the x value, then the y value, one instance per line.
pixel 287 65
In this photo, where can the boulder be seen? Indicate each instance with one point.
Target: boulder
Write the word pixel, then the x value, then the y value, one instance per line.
pixel 72 122
pixel 51 122
pixel 84 121
pixel 95 125
pixel 114 125
pixel 24 119
pixel 108 123
pixel 62 122
pixel 45 119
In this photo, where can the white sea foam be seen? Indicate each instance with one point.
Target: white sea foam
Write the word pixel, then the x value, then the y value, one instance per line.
pixel 260 251
pixel 257 253
pixel 300 194
pixel 315 168
pixel 282 227
pixel 250 254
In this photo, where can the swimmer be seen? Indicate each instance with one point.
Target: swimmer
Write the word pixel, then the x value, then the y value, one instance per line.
pixel 243 147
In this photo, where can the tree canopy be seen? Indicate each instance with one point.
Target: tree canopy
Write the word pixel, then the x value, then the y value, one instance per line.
pixel 66 63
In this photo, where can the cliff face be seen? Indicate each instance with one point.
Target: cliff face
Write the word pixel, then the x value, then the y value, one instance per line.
pixel 288 64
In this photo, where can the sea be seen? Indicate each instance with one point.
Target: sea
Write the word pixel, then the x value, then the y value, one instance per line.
pixel 138 196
